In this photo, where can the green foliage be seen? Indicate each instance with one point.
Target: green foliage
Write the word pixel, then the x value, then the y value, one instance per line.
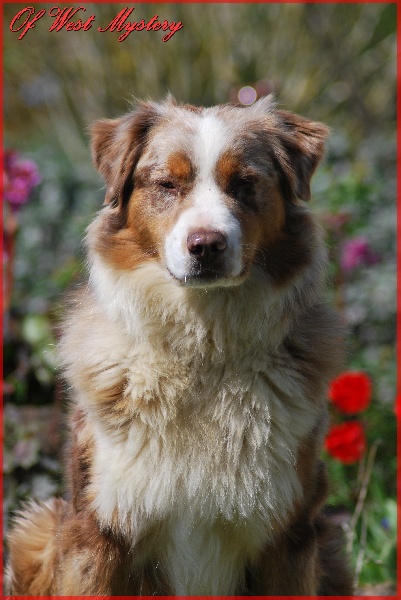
pixel 361 201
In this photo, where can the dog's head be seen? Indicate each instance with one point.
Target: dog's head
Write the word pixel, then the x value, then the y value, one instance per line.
pixel 209 193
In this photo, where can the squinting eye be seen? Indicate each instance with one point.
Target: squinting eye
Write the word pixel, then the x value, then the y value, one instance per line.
pixel 242 189
pixel 240 185
pixel 168 185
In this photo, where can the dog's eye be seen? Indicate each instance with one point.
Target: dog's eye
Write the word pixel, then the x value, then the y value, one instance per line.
pixel 168 185
pixel 242 182
pixel 242 189
pixel 240 186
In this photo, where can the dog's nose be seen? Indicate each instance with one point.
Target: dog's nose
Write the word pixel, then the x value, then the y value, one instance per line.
pixel 206 245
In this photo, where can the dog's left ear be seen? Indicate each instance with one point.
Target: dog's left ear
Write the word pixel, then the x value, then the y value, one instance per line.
pixel 303 142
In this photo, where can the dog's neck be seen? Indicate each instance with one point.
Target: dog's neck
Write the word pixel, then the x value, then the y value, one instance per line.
pixel 155 310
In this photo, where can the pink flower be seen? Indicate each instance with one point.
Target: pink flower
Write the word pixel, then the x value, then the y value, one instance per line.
pixel 357 252
pixel 20 177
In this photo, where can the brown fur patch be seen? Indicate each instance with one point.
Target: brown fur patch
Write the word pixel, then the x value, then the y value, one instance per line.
pixel 256 202
pixel 292 251
pixel 180 167
pixel 334 571
pixel 97 563
pixel 80 560
pixel 317 344
pixel 307 560
pixel 79 460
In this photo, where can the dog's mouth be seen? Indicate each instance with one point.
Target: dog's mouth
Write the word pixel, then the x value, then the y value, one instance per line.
pixel 207 278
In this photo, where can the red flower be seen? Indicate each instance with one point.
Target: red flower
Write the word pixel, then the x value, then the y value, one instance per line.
pixel 346 442
pixel 351 392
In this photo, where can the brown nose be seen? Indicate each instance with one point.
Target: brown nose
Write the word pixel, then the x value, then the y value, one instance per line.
pixel 205 245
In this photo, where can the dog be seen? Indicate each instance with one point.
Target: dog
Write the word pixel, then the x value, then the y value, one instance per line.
pixel 198 356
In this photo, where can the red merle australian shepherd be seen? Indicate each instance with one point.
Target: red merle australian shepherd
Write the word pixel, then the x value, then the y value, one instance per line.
pixel 198 356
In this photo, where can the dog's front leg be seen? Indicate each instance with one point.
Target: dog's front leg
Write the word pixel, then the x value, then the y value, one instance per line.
pixel 95 562
pixel 289 566
pixel 91 561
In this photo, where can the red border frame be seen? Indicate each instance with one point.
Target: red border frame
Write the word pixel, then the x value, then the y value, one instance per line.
pixel 398 401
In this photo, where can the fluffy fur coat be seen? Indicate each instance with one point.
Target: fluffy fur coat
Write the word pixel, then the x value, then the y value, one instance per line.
pixel 198 370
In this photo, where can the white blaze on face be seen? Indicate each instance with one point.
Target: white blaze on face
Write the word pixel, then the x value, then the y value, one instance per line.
pixel 208 210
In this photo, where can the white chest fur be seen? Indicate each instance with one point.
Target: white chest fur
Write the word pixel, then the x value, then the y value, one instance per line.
pixel 207 455
pixel 205 452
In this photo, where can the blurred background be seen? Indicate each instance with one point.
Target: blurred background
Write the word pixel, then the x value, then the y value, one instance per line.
pixel 330 62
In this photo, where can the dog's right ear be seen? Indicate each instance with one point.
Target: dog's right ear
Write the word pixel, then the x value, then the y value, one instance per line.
pixel 104 153
pixel 116 146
